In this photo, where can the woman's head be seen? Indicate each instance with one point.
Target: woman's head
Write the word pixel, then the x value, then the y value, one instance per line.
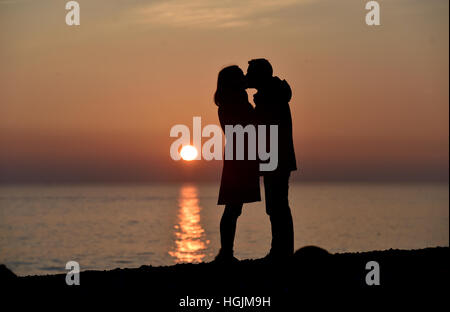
pixel 231 82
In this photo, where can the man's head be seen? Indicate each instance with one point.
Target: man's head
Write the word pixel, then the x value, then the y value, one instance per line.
pixel 259 72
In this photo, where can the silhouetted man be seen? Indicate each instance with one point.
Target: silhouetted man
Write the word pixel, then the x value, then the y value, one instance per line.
pixel 272 108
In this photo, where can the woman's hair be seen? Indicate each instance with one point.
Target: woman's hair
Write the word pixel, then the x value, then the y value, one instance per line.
pixel 230 84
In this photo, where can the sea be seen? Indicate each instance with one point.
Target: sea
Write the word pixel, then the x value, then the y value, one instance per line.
pixel 42 227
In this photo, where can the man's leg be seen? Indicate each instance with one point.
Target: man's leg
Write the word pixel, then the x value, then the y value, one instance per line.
pixel 276 187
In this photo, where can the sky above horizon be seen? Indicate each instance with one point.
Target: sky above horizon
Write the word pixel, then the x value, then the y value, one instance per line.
pixel 96 102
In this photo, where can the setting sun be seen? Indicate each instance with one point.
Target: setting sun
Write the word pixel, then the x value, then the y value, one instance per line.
pixel 188 152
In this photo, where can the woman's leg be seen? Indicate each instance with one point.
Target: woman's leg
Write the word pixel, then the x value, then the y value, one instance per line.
pixel 228 228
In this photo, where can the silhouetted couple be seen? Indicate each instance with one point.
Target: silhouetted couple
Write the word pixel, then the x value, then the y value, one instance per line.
pixel 240 178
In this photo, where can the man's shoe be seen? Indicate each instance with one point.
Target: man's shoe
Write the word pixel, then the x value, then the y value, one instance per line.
pixel 277 258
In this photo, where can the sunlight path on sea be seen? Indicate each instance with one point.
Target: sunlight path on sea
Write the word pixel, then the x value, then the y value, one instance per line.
pixel 190 238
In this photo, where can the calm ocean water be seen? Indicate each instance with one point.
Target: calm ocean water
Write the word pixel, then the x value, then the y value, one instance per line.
pixel 104 227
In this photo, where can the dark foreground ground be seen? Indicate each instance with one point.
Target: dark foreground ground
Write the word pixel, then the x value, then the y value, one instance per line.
pixel 313 277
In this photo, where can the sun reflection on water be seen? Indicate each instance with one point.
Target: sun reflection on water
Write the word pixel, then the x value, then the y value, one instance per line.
pixel 190 242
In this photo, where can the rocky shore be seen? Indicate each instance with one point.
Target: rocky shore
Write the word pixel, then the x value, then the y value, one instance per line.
pixel 311 273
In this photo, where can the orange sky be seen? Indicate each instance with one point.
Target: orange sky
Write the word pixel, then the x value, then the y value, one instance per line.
pixel 96 102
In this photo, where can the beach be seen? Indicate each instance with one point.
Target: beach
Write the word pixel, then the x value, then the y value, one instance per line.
pixel 311 273
pixel 42 227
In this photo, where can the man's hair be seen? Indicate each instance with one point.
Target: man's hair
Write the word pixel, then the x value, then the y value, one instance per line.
pixel 262 66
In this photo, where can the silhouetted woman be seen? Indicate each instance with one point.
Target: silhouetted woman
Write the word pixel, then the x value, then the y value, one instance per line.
pixel 240 178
